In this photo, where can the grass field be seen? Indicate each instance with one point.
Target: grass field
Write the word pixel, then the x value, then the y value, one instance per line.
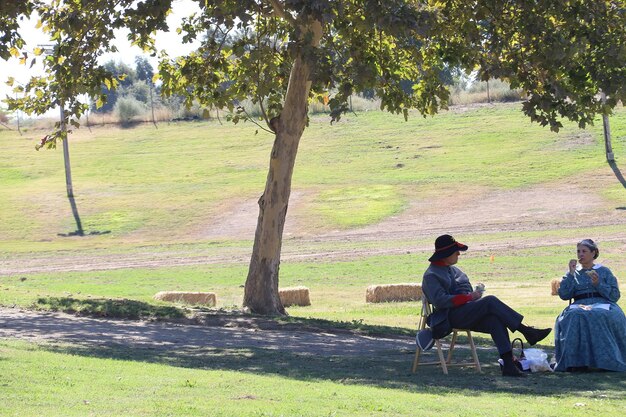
pixel 164 197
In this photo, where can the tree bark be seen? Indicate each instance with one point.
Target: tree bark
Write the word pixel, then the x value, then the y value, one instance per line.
pixel 261 289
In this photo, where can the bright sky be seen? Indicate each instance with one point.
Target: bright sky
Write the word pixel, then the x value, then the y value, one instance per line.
pixel 169 41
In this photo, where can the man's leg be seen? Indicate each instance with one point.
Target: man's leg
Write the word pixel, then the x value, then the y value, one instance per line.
pixel 472 313
pixel 492 325
pixel 498 331
pixel 467 315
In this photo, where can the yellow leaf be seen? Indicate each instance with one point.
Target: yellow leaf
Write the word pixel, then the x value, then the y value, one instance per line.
pixel 38 25
pixel 23 60
pixel 14 51
pixel 38 51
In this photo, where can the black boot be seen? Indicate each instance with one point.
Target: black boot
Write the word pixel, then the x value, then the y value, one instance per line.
pixel 533 335
pixel 508 367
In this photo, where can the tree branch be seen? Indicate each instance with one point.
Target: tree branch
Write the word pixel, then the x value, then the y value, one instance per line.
pixel 258 80
pixel 280 11
pixel 255 122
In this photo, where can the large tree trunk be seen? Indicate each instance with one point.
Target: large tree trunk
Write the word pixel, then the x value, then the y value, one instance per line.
pixel 261 290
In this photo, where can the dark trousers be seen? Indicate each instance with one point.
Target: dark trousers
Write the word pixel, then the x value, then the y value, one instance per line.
pixel 487 315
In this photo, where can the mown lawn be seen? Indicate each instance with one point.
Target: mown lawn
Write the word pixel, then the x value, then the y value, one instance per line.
pixel 54 380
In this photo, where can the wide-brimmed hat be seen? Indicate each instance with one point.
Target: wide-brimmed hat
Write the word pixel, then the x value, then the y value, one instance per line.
pixel 445 245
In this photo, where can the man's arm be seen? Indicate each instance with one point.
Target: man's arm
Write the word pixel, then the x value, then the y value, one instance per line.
pixel 439 296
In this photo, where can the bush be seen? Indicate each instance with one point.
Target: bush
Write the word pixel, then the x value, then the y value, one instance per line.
pixel 4 119
pixel 126 108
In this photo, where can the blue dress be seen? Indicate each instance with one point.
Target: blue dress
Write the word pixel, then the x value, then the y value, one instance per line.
pixel 586 332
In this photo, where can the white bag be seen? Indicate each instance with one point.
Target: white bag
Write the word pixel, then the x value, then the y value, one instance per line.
pixel 537 360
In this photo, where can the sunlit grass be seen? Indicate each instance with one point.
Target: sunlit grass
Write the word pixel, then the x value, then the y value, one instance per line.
pixel 162 185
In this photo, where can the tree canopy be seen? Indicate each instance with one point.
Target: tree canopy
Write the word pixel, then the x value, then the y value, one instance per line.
pixel 284 53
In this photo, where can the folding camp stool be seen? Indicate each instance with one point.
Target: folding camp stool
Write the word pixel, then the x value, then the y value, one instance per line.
pixel 444 362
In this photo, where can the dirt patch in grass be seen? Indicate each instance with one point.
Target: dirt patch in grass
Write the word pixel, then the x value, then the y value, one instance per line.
pixel 238 218
pixel 214 331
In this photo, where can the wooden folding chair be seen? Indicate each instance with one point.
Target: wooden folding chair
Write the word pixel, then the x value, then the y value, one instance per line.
pixel 444 362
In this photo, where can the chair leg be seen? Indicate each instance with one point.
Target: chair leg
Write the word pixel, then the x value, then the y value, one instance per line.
pixel 416 360
pixel 474 354
pixel 418 351
pixel 444 368
pixel 452 344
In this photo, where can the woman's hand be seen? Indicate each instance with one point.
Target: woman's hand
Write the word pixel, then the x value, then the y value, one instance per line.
pixel 595 279
pixel 572 266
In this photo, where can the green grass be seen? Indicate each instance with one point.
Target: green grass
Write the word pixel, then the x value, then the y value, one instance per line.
pixel 358 206
pixel 64 380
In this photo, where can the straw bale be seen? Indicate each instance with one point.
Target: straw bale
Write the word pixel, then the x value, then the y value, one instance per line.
pixel 556 283
pixel 393 292
pixel 294 296
pixel 204 298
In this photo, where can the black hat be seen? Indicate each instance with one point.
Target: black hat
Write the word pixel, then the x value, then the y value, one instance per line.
pixel 445 245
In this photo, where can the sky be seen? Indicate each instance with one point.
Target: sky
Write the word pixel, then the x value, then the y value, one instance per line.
pixel 168 41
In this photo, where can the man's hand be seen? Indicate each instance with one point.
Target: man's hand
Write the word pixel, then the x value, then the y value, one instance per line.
pixel 476 295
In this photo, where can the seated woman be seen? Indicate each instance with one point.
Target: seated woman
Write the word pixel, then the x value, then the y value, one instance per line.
pixel 591 332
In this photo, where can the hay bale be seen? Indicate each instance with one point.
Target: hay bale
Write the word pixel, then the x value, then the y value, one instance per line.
pixel 294 296
pixel 393 292
pixel 556 283
pixel 204 298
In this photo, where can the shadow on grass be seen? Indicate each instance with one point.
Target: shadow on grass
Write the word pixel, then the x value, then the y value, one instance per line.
pixel 112 308
pixel 341 358
pixel 132 309
pixel 79 225
pixel 389 371
pixel 618 173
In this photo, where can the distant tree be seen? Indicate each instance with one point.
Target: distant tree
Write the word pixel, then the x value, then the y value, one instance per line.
pixel 143 69
pixel 145 73
pixel 140 91
pixel 125 76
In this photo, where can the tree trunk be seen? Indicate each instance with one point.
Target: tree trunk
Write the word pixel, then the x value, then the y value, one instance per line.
pixel 261 289
pixel 68 175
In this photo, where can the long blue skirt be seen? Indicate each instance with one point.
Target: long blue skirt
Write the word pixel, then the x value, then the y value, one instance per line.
pixel 591 336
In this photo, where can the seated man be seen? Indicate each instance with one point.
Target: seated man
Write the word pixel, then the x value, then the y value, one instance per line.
pixel 456 305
